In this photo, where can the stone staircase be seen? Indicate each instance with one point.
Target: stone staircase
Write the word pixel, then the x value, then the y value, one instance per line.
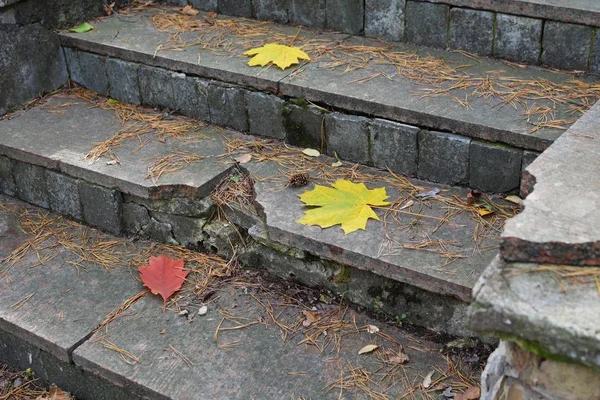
pixel 144 145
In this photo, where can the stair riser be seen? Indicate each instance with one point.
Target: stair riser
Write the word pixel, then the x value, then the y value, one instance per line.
pixel 189 222
pixel 406 149
pixel 526 33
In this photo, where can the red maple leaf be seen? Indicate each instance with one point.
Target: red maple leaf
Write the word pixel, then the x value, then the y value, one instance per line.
pixel 163 276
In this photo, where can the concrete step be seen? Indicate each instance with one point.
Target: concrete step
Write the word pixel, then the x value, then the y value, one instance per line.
pixel 73 310
pixel 167 178
pixel 527 31
pixel 442 116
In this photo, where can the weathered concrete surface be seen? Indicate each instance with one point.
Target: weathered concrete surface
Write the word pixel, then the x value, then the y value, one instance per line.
pixel 397 99
pixel 32 63
pixel 560 222
pixel 512 301
pixel 137 42
pixel 260 362
pixel 66 303
pixel 23 140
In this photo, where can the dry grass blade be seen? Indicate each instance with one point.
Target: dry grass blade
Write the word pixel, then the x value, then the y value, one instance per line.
pixel 186 360
pixel 358 380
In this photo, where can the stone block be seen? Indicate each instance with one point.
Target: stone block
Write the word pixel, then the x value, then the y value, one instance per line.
pixel 31 61
pixel 190 207
pixel 265 114
pixel 394 146
pixel 348 136
pixel 227 105
pixel 471 30
pixel 123 81
pixel 135 218
pixel 7 182
pixel 518 38
pixel 204 5
pixel 237 8
pixel 63 195
pixel 494 167
pixel 177 2
pixel 88 70
pixel 304 126
pixel 595 59
pixel 156 88
pixel 186 231
pixel 528 157
pixel 30 181
pixel 346 16
pixel 443 157
pixel 190 96
pixel 385 19
pixel 102 207
pixel 427 23
pixel 308 12
pixel 158 231
pixel 271 10
pixel 566 46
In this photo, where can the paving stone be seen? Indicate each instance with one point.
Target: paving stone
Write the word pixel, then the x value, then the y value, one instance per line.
pixel 471 30
pixel 265 114
pixel 156 88
pixel 186 231
pixel 31 184
pixel 123 81
pixel 271 10
pixel 31 61
pixel 63 195
pixel 190 96
pixel 394 146
pixel 228 106
pixel 135 217
pixel 595 60
pixel 308 12
pixel 385 19
pixel 348 136
pixel 443 157
pixel 561 39
pixel 493 167
pixel 88 70
pixel 101 207
pixel 528 158
pixel 346 16
pixel 7 182
pixel 559 224
pixel 518 38
pixel 238 8
pixel 304 125
pixel 534 309
pixel 427 23
pixel 204 5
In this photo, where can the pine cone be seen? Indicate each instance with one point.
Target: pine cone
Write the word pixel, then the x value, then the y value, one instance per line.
pixel 299 180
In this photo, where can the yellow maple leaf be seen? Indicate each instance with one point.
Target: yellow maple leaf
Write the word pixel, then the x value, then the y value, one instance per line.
pixel 278 54
pixel 344 203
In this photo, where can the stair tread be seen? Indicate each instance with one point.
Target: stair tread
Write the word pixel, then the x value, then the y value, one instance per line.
pixel 69 304
pixel 447 259
pixel 134 38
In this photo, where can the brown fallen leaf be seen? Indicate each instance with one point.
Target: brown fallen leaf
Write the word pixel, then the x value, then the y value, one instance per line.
pixel 311 317
pixel 427 380
pixel 189 10
pixel 54 393
pixel 210 18
pixel 244 158
pixel 400 358
pixel 472 393
pixel 108 8
pixel 472 197
pixel 368 348
pixel 372 329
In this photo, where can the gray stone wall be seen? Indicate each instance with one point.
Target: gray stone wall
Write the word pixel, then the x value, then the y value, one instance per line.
pixel 409 150
pixel 477 27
